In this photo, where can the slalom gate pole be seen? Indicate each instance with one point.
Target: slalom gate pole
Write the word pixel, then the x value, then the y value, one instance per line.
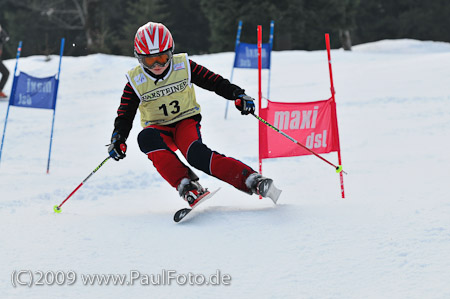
pixel 57 208
pixel 13 89
pixel 272 24
pixel 338 168
pixel 236 45
pixel 61 51
pixel 259 45
pixel 327 42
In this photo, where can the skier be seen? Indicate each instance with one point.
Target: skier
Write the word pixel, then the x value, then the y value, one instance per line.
pixel 3 70
pixel 161 86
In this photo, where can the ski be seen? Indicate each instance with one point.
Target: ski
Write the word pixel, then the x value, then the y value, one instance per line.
pixel 268 189
pixel 181 214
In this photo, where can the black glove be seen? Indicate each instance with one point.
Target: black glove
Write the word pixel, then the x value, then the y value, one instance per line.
pixel 245 104
pixel 118 147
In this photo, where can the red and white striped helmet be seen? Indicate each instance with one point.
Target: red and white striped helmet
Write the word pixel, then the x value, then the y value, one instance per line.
pixel 152 38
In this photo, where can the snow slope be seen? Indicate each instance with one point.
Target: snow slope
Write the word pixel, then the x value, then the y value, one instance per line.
pixel 390 238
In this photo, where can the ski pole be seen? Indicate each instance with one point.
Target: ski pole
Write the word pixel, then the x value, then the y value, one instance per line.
pixel 57 208
pixel 338 168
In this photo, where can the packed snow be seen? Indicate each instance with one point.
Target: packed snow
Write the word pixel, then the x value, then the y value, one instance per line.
pixel 389 238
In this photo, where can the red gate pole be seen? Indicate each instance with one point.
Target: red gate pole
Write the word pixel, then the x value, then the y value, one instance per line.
pixel 327 41
pixel 259 93
pixel 259 87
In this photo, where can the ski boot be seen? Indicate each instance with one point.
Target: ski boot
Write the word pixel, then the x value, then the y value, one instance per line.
pixel 191 191
pixel 263 186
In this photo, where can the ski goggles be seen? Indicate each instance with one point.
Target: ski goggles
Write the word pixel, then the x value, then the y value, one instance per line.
pixel 152 60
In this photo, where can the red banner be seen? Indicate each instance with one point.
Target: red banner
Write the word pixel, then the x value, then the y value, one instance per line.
pixel 313 124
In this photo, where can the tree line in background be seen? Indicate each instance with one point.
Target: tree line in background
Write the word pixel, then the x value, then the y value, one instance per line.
pixel 207 26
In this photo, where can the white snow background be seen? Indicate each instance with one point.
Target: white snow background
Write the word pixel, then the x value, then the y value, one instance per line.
pixel 390 238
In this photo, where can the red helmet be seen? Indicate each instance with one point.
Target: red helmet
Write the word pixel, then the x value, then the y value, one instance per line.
pixel 153 38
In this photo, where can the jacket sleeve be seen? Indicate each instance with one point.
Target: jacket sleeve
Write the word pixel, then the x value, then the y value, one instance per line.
pixel 208 80
pixel 126 112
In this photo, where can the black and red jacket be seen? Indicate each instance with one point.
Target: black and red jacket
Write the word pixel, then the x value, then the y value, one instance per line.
pixel 200 76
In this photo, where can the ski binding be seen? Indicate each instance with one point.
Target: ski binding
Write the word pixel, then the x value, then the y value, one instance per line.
pixel 181 214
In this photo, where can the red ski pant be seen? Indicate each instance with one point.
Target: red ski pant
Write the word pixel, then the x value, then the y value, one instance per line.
pixel 159 143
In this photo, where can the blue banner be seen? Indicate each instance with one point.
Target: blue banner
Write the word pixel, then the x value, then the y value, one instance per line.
pixel 34 92
pixel 247 56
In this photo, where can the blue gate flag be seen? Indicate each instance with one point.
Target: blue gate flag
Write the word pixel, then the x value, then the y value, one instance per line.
pixel 247 56
pixel 34 92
